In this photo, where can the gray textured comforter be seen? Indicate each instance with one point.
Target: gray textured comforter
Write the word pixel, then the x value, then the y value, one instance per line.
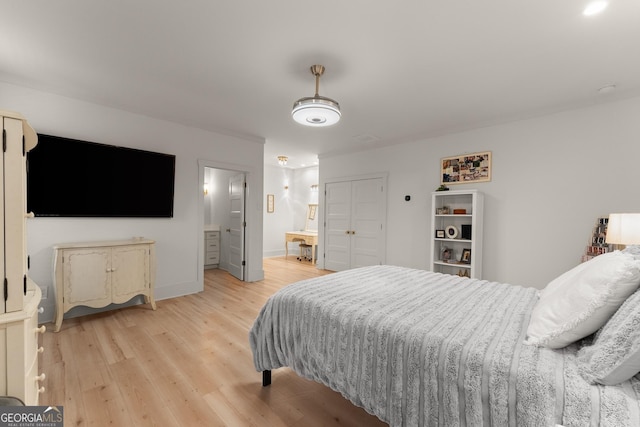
pixel 419 348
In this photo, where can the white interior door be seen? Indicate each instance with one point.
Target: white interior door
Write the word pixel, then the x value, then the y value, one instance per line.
pixel 236 225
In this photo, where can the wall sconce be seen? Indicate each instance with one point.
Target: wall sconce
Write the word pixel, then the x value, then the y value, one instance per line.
pixel 282 160
pixel 314 187
pixel 205 188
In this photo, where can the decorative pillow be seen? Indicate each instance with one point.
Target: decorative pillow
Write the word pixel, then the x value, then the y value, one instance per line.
pixel 580 301
pixel 632 250
pixel 614 355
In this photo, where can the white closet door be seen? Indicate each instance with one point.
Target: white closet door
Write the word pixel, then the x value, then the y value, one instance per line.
pixel 337 237
pixel 355 215
pixel 367 215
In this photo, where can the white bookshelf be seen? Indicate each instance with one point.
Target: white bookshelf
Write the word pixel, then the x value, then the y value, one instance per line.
pixel 462 232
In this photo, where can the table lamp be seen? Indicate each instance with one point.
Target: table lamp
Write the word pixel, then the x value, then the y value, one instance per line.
pixel 623 229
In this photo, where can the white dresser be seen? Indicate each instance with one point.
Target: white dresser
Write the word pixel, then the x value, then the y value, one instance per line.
pixel 19 332
pixel 96 274
pixel 211 247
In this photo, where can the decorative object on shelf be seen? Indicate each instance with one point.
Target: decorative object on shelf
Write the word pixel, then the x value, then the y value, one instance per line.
pixel 463 272
pixel 459 211
pixel 465 258
pixel 465 232
pixel 442 188
pixel 442 211
pixel 474 167
pixel 282 160
pixel 270 203
pixel 316 110
pixel 440 234
pixel 446 254
pixel 623 229
pixel 451 231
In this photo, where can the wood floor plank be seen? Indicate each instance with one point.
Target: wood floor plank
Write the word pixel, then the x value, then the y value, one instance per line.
pixel 187 363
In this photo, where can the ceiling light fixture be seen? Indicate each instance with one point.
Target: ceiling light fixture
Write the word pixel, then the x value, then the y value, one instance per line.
pixel 282 160
pixel 595 7
pixel 316 110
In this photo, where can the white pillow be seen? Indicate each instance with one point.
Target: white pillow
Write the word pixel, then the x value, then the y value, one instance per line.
pixel 580 301
pixel 614 355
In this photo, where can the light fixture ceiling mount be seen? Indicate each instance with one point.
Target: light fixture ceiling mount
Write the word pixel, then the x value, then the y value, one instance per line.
pixel 282 160
pixel 316 110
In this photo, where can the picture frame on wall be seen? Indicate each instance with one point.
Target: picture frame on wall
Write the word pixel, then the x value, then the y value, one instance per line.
pixel 466 168
pixel 270 203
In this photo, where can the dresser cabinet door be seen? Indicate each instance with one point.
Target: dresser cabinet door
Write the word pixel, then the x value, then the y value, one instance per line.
pixel 129 272
pixel 86 277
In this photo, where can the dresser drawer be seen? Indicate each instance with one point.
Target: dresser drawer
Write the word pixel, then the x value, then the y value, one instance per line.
pixel 211 259
pixel 212 245
pixel 211 235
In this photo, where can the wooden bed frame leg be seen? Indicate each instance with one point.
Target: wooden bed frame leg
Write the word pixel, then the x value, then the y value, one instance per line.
pixel 266 378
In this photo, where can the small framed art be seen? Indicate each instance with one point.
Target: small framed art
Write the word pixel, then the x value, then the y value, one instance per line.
pixel 440 234
pixel 465 258
pixel 270 203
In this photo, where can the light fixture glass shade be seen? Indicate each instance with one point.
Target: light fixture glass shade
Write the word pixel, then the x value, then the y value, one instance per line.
pixel 282 160
pixel 316 111
pixel 624 229
pixel 595 7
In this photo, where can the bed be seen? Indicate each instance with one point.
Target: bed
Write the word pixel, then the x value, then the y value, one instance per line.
pixel 418 348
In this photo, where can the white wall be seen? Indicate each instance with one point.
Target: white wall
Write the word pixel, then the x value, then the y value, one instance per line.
pixel 179 239
pixel 552 177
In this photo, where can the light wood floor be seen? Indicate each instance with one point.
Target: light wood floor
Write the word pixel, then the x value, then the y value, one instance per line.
pixel 186 364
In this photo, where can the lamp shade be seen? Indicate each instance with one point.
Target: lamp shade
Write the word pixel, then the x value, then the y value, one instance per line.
pixel 624 229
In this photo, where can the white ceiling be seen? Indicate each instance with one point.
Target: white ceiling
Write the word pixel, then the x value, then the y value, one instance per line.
pixel 400 70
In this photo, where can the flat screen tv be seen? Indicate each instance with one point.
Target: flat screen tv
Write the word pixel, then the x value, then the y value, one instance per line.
pixel 72 178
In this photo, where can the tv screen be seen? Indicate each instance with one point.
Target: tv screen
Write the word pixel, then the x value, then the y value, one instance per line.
pixel 72 178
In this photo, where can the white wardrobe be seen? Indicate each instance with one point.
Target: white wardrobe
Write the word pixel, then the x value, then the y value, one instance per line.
pixel 19 332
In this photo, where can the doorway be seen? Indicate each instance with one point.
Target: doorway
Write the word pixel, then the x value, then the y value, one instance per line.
pixel 224 218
